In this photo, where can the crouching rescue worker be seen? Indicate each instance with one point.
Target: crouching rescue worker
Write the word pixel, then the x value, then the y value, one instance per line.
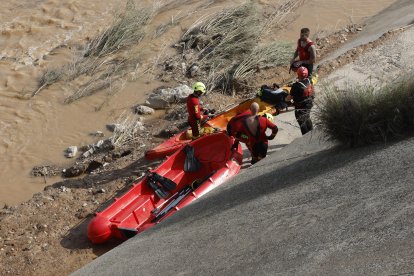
pixel 235 128
pixel 302 95
pixel 194 109
pixel 251 129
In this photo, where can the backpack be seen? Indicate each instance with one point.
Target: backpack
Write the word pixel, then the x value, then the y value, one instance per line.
pixel 274 97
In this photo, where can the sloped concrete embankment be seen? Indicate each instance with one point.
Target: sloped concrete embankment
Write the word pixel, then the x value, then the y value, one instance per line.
pixel 399 14
pixel 310 208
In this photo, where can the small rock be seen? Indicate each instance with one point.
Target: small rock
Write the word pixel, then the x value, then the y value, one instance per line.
pixel 84 204
pixel 71 151
pixel 45 246
pixel 107 158
pixel 88 153
pixel 167 133
pixel 107 145
pixel 64 189
pixel 119 154
pixel 187 56
pixel 85 148
pixel 75 170
pixel 99 143
pixel 40 227
pixel 183 68
pixel 114 127
pixel 99 191
pixel 144 110
pixel 194 69
pixel 163 97
pixel 359 29
pixel 47 198
pixel 98 133
pixel 94 165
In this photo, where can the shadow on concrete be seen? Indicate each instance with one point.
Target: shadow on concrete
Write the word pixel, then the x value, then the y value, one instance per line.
pixel 256 185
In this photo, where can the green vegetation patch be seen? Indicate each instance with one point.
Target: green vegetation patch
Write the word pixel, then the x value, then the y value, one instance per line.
pixel 363 115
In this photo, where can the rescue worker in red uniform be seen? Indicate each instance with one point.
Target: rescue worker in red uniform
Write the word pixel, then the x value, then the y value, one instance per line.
pixel 194 109
pixel 302 95
pixel 251 129
pixel 236 123
pixel 306 51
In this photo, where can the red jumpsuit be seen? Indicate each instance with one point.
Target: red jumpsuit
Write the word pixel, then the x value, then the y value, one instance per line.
pixel 258 141
pixel 235 126
pixel 194 114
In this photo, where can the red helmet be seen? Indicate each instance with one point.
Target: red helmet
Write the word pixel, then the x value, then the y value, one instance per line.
pixel 302 72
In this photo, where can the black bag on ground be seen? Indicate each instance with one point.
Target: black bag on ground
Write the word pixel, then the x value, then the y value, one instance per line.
pixel 274 97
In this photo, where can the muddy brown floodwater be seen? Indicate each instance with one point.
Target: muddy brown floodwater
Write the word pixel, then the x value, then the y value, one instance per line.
pixel 36 130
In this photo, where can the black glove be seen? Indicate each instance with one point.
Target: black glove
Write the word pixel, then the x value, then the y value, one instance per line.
pixel 235 145
pixel 270 137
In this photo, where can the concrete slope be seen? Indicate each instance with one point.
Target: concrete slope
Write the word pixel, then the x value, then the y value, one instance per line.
pixel 381 66
pixel 399 14
pixel 309 208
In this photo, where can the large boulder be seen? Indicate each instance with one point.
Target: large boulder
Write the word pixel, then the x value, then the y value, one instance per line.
pixel 162 98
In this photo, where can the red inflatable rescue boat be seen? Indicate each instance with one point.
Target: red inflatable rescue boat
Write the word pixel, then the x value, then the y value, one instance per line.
pixel 145 205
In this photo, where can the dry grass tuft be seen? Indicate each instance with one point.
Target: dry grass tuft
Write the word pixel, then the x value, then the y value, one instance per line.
pixel 270 55
pixel 106 60
pixel 49 77
pixel 127 30
pixel 127 130
pixel 363 115
pixel 226 45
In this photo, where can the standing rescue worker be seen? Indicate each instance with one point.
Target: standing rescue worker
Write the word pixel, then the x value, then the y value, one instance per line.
pixel 302 95
pixel 194 108
pixel 252 131
pixel 306 51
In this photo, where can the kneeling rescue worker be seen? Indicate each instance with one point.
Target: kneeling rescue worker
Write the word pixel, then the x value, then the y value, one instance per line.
pixel 194 108
pixel 252 131
pixel 302 95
